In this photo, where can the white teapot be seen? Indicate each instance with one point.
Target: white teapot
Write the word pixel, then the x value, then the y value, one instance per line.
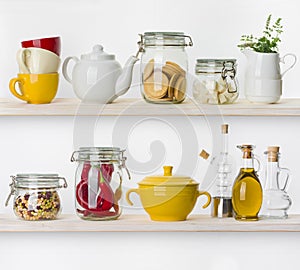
pixel 97 77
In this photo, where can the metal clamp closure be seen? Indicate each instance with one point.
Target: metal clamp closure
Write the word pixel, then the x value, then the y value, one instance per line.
pixel 227 74
pixel 65 184
pixel 12 189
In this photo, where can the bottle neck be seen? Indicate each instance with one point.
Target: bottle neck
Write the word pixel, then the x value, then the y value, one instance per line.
pixel 248 163
pixel 272 175
pixel 224 143
pixel 223 182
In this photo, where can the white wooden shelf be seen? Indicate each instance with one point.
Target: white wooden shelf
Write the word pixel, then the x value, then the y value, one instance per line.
pixel 138 107
pixel 142 223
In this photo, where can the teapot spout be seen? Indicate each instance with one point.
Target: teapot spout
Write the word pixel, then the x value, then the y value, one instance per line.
pixel 124 81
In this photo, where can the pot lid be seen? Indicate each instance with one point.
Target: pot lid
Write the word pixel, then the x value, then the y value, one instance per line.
pixel 168 179
pixel 97 54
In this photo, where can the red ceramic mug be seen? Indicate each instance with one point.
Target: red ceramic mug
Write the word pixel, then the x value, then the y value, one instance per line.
pixel 52 44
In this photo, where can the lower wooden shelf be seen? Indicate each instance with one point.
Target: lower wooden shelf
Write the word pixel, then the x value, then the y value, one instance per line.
pixel 142 223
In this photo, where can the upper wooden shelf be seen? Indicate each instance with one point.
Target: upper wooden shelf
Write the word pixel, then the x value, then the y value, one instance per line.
pixel 138 107
pixel 142 223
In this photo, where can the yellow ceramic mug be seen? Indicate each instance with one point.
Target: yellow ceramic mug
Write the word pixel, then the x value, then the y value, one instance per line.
pixel 35 88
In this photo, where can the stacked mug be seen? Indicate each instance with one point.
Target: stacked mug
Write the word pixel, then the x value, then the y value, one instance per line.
pixel 38 61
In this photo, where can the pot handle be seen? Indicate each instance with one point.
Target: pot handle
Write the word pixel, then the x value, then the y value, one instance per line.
pixel 128 194
pixel 208 198
pixel 64 67
pixel 292 65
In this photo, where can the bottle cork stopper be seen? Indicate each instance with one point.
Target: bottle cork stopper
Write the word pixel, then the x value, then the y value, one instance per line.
pixel 273 149
pixel 224 129
pixel 246 149
pixel 204 154
pixel 273 152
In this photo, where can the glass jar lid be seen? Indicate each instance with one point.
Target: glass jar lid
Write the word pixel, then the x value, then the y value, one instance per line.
pixel 165 39
pixel 101 154
pixel 214 65
pixel 37 180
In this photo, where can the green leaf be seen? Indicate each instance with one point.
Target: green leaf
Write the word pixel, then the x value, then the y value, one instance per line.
pixel 267 43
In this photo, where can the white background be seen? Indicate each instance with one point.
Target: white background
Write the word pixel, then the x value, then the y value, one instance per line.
pixel 45 144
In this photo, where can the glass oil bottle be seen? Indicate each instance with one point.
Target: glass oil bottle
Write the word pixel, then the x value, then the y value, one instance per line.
pixel 276 201
pixel 221 182
pixel 247 191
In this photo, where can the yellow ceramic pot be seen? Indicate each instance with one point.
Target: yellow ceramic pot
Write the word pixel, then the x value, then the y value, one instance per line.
pixel 167 197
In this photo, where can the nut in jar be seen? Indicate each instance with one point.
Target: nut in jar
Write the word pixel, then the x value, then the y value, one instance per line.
pixel 164 66
pixel 36 196
pixel 216 81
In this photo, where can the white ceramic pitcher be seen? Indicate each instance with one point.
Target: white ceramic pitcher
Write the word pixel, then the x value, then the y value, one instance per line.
pixel 263 77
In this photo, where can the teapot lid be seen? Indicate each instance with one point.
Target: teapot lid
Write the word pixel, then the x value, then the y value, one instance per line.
pixel 97 54
pixel 168 179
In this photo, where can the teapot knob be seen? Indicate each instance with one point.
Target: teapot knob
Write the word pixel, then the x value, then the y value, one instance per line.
pixel 98 48
pixel 168 170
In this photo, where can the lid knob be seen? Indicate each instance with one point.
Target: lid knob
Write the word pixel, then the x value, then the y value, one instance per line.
pixel 98 48
pixel 168 170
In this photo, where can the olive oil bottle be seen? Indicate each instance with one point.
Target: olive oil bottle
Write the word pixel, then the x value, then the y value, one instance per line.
pixel 247 191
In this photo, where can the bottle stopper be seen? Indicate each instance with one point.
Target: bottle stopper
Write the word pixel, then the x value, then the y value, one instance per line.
pixel 224 129
pixel 273 152
pixel 204 154
pixel 246 149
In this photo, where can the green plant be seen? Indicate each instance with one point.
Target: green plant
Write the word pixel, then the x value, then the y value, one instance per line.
pixel 268 43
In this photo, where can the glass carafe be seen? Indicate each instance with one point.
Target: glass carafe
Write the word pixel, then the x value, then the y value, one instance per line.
pixel 276 201
pixel 221 178
pixel 247 191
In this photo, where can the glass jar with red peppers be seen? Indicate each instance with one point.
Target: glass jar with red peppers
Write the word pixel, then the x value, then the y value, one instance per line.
pixel 98 186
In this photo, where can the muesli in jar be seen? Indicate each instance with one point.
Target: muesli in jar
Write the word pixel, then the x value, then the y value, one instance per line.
pixel 36 196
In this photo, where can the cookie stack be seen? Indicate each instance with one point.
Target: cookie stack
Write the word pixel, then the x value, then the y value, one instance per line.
pixel 164 83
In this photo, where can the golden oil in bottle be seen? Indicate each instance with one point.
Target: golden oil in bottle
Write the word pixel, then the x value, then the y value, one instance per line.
pixel 247 190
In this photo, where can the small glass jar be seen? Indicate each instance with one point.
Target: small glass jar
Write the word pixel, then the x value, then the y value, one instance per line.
pixel 216 82
pixel 36 196
pixel 164 66
pixel 98 182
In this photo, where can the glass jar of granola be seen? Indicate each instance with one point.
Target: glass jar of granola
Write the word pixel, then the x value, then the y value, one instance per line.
pixel 36 196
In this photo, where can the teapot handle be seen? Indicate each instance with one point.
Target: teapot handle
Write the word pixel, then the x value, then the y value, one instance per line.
pixel 292 65
pixel 64 67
